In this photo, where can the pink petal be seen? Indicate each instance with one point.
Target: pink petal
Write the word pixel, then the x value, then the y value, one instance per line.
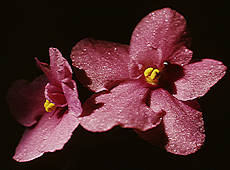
pixel 158 37
pixel 182 128
pixel 59 67
pixel 198 78
pixel 26 100
pixel 71 94
pixel 103 62
pixel 46 69
pixel 124 105
pixel 50 134
pixel 55 95
pixel 181 56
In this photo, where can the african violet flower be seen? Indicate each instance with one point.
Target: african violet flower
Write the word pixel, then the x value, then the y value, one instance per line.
pixel 150 83
pixel 48 107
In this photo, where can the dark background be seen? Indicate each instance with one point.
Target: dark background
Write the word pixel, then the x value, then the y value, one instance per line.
pixel 29 28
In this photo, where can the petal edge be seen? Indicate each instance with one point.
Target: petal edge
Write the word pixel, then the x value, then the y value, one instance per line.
pixel 103 63
pixel 198 78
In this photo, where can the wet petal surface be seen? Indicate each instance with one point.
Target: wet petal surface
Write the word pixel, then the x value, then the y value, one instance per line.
pixel 158 37
pixel 58 69
pixel 182 128
pixel 103 63
pixel 50 134
pixel 198 78
pixel 124 105
pixel 71 94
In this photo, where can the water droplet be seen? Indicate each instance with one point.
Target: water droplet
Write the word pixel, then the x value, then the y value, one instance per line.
pixel 166 63
pixel 83 51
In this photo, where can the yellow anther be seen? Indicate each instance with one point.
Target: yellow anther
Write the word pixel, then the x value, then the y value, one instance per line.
pixel 154 74
pixel 49 107
pixel 151 75
pixel 148 71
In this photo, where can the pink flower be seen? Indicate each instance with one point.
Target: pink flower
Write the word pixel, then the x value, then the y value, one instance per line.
pixel 47 107
pixel 150 83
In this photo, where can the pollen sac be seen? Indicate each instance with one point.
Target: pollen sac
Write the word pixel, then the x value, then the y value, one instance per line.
pixel 151 75
pixel 49 107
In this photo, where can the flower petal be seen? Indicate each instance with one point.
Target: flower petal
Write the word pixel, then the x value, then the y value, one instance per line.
pixel 182 128
pixel 55 95
pixel 103 63
pixel 46 69
pixel 198 78
pixel 26 100
pixel 50 134
pixel 158 37
pixel 181 56
pixel 59 67
pixel 124 105
pixel 71 94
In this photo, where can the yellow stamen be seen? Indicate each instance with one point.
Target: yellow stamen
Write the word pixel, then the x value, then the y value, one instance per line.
pixel 151 75
pixel 148 71
pixel 49 107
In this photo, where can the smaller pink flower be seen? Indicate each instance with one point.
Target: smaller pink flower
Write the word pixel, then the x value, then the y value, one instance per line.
pixel 149 85
pixel 49 107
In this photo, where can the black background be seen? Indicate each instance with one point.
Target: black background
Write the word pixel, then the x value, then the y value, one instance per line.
pixel 29 28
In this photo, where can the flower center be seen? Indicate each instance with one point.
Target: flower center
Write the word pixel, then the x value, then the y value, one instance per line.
pixel 151 75
pixel 49 107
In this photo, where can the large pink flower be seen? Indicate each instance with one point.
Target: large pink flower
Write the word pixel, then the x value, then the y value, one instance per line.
pixel 151 82
pixel 48 107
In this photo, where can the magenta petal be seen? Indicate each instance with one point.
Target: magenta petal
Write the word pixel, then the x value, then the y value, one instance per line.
pixel 182 124
pixel 50 134
pixel 198 78
pixel 158 36
pixel 124 105
pixel 71 94
pixel 103 62
pixel 26 100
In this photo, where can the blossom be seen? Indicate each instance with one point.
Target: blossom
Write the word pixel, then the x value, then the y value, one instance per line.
pixel 149 85
pixel 49 107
